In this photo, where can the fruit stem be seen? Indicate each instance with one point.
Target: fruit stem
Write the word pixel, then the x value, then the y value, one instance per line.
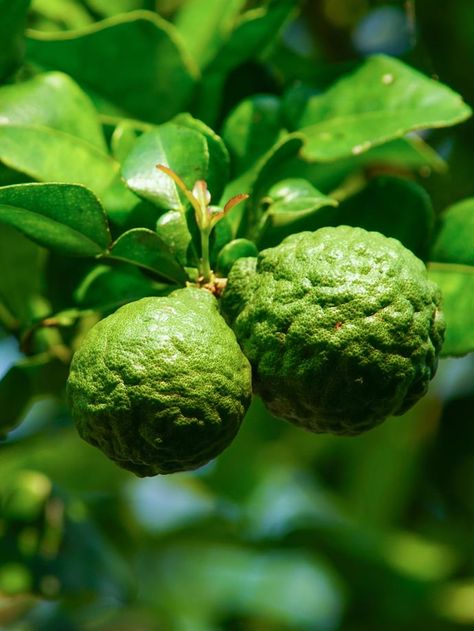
pixel 205 271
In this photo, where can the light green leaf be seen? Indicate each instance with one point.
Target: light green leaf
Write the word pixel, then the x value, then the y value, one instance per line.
pixel 457 287
pixel 181 149
pixel 251 129
pixel 65 217
pixel 12 24
pixel 133 62
pixel 454 242
pixel 382 100
pixel 173 229
pixel 52 100
pixel 47 155
pixel 205 25
pixel 145 249
pixel 236 249
pixel 291 203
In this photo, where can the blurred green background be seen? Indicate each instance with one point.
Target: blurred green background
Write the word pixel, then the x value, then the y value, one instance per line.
pixel 286 530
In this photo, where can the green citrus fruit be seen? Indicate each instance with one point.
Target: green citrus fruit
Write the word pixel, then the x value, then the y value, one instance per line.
pixel 342 327
pixel 161 385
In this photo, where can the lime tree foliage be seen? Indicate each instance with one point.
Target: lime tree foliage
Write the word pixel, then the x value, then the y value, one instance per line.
pixel 192 212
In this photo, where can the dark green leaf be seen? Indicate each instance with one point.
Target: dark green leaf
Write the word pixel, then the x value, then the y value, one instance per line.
pixel 21 262
pixel 35 377
pixel 144 248
pixel 251 129
pixel 12 23
pixel 181 149
pixel 132 63
pixel 64 217
pixel 52 100
pixel 236 249
pixel 382 100
pixel 454 242
pixel 457 287
pixel 219 160
pixel 395 207
pixel 106 288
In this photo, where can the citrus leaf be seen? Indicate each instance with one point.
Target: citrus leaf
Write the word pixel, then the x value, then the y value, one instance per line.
pixel 65 217
pixel 12 25
pixel 251 129
pixel 394 206
pixel 47 154
pixel 52 100
pixel 382 100
pixel 219 160
pixel 145 249
pixel 236 249
pixel 454 242
pixel 153 63
pixel 457 287
pixel 181 149
pixel 173 230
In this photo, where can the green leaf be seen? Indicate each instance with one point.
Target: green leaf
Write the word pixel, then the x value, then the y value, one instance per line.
pixel 105 288
pixel 205 25
pixel 52 100
pixel 145 249
pixel 291 203
pixel 382 100
pixel 251 129
pixel 58 15
pixel 219 159
pixel 47 155
pixel 12 24
pixel 132 63
pixel 394 206
pixel 236 249
pixel 181 149
pixel 174 230
pixel 65 217
pixel 21 262
pixel 457 287
pixel 34 377
pixel 454 242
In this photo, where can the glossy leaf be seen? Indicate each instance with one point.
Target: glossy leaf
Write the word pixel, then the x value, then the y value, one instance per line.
pixel 153 63
pixel 181 149
pixel 396 207
pixel 382 100
pixel 145 249
pixel 290 203
pixel 219 159
pixel 65 217
pixel 454 242
pixel 251 129
pixel 12 24
pixel 47 154
pixel 232 251
pixel 174 230
pixel 457 286
pixel 52 100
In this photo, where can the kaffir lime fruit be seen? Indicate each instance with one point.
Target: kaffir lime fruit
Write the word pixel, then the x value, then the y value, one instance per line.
pixel 342 327
pixel 161 385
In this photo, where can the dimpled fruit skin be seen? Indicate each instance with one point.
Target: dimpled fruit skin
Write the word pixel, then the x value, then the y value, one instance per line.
pixel 342 327
pixel 161 385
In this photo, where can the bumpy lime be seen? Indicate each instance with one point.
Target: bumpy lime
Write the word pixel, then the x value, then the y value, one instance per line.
pixel 342 327
pixel 161 385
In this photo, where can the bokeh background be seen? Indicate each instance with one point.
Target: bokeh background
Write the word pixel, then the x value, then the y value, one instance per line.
pixel 286 531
